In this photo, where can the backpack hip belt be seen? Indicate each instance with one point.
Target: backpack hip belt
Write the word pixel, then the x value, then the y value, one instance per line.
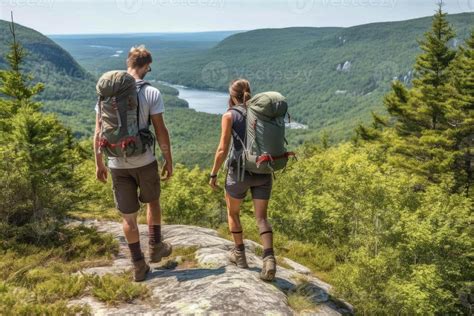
pixel 123 144
pixel 270 158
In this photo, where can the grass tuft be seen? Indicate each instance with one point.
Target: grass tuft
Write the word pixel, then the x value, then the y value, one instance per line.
pixel 300 300
pixel 41 279
pixel 115 289
pixel 182 257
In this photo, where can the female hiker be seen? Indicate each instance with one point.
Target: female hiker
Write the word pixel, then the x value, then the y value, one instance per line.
pixel 260 185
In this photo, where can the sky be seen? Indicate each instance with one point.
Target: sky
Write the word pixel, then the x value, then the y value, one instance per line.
pixel 143 16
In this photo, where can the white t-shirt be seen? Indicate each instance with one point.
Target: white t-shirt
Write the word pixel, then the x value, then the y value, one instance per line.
pixel 151 103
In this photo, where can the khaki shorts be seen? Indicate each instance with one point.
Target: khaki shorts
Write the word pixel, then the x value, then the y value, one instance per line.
pixel 260 185
pixel 126 182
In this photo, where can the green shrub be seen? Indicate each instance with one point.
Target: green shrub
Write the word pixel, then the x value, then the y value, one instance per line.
pixel 60 287
pixel 115 289
pixel 38 280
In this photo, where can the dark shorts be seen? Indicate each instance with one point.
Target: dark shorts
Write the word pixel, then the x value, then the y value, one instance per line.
pixel 126 182
pixel 260 185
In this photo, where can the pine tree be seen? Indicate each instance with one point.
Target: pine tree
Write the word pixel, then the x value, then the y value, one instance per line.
pixel 37 157
pixel 14 88
pixel 420 136
pixel 433 73
pixel 421 113
pixel 460 116
pixel 373 132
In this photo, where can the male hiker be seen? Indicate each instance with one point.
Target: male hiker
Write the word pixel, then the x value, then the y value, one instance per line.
pixel 131 160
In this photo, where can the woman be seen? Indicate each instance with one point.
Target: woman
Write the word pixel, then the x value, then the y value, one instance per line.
pixel 260 185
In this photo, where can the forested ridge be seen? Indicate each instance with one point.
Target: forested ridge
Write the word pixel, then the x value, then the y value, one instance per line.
pixel 332 76
pixel 69 92
pixel 385 217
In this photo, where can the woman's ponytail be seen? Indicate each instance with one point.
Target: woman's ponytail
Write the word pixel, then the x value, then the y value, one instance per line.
pixel 239 91
pixel 247 96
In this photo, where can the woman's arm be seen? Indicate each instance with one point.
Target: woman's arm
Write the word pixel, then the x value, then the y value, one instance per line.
pixel 224 144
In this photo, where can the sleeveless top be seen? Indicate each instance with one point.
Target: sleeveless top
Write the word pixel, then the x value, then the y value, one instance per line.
pixel 239 127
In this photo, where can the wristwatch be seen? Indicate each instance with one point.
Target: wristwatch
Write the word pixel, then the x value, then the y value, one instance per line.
pixel 212 176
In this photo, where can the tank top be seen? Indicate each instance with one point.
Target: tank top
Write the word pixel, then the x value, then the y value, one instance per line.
pixel 239 126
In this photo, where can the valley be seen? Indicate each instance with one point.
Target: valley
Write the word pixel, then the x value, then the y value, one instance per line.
pixel 333 77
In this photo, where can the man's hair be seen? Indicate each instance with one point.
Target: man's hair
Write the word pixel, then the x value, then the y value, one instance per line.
pixel 138 57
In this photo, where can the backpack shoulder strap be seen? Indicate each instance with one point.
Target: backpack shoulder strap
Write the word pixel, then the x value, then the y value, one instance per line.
pixel 241 160
pixel 143 85
pixel 139 89
pixel 242 112
pixel 239 109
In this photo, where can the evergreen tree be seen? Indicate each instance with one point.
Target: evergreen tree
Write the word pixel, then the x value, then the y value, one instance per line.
pixel 421 112
pixel 433 74
pixel 422 136
pixel 373 132
pixel 461 113
pixel 37 157
pixel 15 90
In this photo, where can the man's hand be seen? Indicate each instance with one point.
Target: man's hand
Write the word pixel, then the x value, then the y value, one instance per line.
pixel 101 173
pixel 167 171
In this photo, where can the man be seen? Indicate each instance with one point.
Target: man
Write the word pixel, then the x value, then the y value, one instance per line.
pixel 140 172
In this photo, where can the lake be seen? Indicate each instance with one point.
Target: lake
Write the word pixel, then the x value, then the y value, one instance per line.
pixel 208 101
pixel 213 102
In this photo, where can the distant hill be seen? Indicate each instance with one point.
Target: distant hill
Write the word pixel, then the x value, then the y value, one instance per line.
pixel 211 36
pixel 333 77
pixel 99 52
pixel 70 93
pixel 63 77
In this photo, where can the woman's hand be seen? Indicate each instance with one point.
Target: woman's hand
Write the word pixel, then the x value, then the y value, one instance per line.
pixel 213 183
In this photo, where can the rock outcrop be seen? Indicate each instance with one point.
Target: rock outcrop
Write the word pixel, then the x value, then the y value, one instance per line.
pixel 213 285
pixel 345 66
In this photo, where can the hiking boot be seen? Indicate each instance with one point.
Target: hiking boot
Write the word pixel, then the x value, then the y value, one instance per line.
pixel 268 269
pixel 140 270
pixel 238 258
pixel 158 251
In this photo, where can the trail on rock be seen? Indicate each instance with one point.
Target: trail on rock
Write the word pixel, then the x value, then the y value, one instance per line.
pixel 212 285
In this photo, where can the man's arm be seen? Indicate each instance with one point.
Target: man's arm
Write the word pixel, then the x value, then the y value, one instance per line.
pixel 100 169
pixel 163 138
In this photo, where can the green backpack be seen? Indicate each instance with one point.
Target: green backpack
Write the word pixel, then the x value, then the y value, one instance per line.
pixel 263 149
pixel 119 112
